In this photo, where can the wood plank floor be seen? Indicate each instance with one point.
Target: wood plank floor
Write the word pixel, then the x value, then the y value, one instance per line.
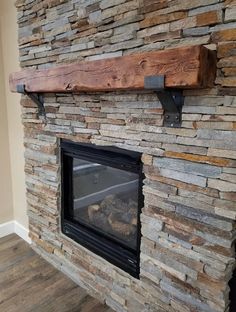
pixel 29 284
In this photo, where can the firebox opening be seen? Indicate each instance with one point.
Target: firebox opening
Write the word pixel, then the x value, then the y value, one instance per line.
pixel 101 201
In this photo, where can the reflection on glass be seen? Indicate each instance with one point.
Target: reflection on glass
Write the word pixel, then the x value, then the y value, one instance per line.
pixel 106 199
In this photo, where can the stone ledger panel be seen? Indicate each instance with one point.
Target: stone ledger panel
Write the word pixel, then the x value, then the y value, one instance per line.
pixel 188 219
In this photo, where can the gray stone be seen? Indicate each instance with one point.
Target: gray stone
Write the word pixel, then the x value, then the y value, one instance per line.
pixel 230 14
pixel 107 3
pixel 199 31
pixel 216 135
pixel 193 109
pixel 95 17
pixel 124 45
pixel 222 185
pixel 41 157
pixel 203 217
pixel 126 29
pixel 184 177
pixel 104 56
pixel 187 166
pixel 206 8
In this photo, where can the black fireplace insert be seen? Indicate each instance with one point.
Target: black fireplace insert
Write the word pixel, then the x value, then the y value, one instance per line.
pixel 102 200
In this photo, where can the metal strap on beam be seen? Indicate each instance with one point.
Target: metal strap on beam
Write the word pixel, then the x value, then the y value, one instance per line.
pixel 35 97
pixel 171 100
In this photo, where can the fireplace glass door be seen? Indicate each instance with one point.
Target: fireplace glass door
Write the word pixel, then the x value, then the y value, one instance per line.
pixel 102 199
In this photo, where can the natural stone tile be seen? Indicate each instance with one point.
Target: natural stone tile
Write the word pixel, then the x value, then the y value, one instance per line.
pixel 171 149
pixel 230 14
pixel 164 267
pixel 186 297
pixel 187 166
pixel 222 185
pixel 224 35
pixel 184 177
pixel 197 158
pixel 153 30
pixel 209 18
pixel 106 3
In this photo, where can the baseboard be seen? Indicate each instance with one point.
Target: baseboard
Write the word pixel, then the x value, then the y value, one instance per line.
pixel 21 231
pixel 14 227
pixel 7 228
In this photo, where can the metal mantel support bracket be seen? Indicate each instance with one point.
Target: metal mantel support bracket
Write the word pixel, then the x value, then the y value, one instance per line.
pixel 171 100
pixel 35 97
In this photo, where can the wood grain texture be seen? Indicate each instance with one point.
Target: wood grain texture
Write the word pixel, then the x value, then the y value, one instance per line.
pixel 29 284
pixel 185 67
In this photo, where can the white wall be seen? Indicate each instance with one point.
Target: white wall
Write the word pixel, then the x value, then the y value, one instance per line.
pixel 6 201
pixel 15 156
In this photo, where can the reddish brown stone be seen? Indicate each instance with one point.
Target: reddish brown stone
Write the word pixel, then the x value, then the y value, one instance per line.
pixel 228 195
pixel 80 23
pixel 153 5
pixel 221 250
pixel 26 102
pixel 211 283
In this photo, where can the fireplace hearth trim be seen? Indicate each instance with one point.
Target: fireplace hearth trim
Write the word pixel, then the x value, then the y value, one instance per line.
pixel 113 251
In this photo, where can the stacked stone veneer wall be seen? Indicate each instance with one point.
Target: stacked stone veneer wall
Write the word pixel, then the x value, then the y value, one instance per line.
pixel 188 222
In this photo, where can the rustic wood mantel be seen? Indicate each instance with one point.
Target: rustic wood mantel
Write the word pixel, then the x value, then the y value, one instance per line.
pixel 184 68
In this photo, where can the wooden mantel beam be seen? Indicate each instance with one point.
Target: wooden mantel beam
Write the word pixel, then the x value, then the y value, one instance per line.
pixel 185 67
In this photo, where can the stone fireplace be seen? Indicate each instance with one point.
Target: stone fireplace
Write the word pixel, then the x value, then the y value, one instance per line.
pixel 165 196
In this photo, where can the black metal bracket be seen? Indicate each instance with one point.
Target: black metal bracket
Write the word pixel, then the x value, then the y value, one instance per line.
pixel 171 100
pixel 35 97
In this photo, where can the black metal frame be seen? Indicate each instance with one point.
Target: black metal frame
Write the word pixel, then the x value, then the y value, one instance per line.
pixel 171 100
pixel 37 98
pixel 112 250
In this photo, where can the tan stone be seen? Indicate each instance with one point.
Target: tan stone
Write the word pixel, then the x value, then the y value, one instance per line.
pixel 229 71
pixel 226 213
pixel 226 82
pixel 46 246
pixel 226 49
pixel 187 22
pixel 222 185
pixel 35 37
pixel 163 36
pixel 154 19
pixel 224 35
pixel 209 18
pixel 147 159
pixel 229 61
